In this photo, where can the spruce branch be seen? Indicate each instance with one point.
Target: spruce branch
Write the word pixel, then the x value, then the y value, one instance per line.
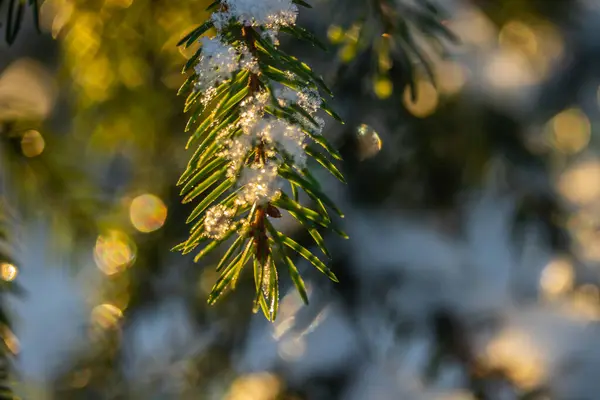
pixel 253 113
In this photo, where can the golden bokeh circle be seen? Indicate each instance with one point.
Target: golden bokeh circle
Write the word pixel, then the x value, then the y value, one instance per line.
pixel 147 213
pixel 106 316
pixel 571 131
pixel 9 271
pixel 426 102
pixel 114 252
pixel 32 144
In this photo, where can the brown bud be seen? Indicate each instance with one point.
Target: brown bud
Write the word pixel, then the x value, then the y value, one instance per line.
pixel 273 211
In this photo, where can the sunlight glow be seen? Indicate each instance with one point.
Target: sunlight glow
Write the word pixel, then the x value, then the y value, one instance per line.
pixel 585 303
pixel 10 340
pixel 260 386
pixel 369 142
pixel 451 77
pixel 147 213
pixel 557 278
pixel 114 252
pixel 383 87
pixel 335 34
pixel 427 99
pixel 518 35
pixel 516 352
pixel 292 348
pixel 106 316
pixel 570 130
pixel 580 184
pixel 527 52
pixel 32 143
pixel 9 272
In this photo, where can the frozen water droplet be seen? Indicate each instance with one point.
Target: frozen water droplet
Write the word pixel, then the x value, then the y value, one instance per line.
pixel 369 142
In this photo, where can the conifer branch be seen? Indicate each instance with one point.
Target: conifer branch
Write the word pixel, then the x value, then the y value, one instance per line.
pixel 253 111
pixel 388 32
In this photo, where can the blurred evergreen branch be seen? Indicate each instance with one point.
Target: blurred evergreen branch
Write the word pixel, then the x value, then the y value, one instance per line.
pixel 398 37
pixel 8 272
pixel 14 16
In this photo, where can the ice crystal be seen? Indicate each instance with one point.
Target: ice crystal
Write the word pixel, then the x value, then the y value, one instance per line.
pixel 286 96
pixel 217 63
pixel 221 20
pixel 290 138
pixel 248 61
pixel 321 123
pixel 218 221
pixel 259 184
pixel 235 151
pixel 266 13
pixel 310 100
pixel 271 35
pixel 252 111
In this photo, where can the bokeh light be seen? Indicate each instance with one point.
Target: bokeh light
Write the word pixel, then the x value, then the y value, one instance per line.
pixel 106 316
pixel 10 340
pixel 27 91
pixel 580 184
pixel 369 142
pixel 32 143
pixel 520 36
pixel 335 34
pixel 260 386
pixel 451 77
pixel 114 252
pixel 147 213
pixel 9 271
pixel 426 102
pixel 557 278
pixel 526 54
pixel 473 28
pixel 583 227
pixel 383 87
pixel 509 69
pixel 585 303
pixel 283 325
pixel 292 348
pixel 347 52
pixel 55 14
pixel 570 130
pixel 516 353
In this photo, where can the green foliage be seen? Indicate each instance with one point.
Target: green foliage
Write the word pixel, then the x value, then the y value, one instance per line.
pixel 389 31
pixel 15 13
pixel 425 18
pixel 217 183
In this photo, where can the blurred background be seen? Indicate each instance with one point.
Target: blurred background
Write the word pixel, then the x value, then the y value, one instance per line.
pixel 473 263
